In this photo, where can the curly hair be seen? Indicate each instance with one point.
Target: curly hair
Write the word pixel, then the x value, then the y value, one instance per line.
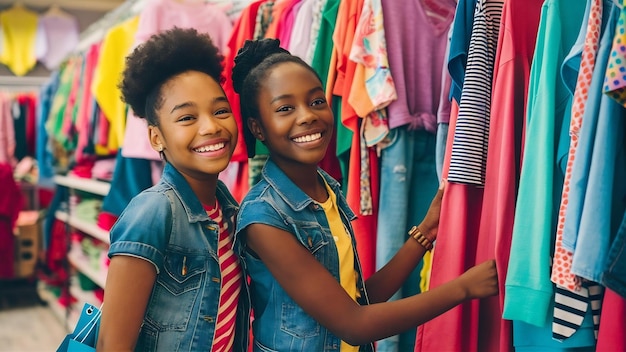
pixel 162 57
pixel 253 63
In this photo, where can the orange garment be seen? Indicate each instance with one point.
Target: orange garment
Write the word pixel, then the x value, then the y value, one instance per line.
pixel 277 13
pixel 340 80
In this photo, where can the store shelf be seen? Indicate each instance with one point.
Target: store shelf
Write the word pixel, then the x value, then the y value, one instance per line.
pixel 59 311
pixel 83 184
pixel 84 226
pixel 53 302
pixel 81 263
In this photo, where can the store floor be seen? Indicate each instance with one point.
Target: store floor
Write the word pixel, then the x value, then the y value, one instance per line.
pixel 26 324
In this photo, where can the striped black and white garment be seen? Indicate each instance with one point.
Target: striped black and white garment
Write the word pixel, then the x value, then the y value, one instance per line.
pixel 469 149
pixel 570 308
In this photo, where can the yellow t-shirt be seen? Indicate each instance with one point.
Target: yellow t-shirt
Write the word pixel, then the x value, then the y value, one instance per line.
pixel 117 43
pixel 19 31
pixel 347 274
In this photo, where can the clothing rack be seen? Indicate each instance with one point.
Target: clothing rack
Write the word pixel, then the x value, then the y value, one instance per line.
pixel 97 30
pixel 94 5
pixel 24 83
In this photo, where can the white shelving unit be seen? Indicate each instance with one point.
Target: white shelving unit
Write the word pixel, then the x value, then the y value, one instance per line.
pixel 81 264
pixel 84 226
pixel 68 317
pixel 83 184
pixel 75 257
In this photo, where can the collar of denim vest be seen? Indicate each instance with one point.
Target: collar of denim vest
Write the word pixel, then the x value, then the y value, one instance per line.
pixel 194 209
pixel 288 191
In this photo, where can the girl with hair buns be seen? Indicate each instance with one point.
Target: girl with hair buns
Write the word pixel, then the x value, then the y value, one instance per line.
pixel 174 282
pixel 294 233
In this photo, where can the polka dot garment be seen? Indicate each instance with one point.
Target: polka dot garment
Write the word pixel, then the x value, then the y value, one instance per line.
pixel 615 79
pixel 562 263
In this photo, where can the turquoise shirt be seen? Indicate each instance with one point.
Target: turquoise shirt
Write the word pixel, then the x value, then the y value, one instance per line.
pixel 528 288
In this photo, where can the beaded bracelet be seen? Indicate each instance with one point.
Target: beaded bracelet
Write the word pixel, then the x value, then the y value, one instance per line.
pixel 420 238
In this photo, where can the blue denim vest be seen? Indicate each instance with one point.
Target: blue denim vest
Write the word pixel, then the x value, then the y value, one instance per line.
pixel 167 225
pixel 279 323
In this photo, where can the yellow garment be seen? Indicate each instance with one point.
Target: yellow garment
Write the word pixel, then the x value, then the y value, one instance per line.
pixel 116 45
pixel 347 274
pixel 427 262
pixel 19 34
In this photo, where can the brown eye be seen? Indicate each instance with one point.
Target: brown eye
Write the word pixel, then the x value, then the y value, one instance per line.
pixel 318 102
pixel 284 108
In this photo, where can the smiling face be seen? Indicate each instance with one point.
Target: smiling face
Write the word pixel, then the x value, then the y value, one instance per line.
pixel 296 122
pixel 196 130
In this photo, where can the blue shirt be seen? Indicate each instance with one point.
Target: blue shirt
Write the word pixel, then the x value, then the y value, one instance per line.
pixel 459 45
pixel 168 226
pixel 279 323
pixel 597 189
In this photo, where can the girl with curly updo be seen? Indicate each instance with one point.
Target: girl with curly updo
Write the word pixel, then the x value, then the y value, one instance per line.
pixel 294 230
pixel 174 282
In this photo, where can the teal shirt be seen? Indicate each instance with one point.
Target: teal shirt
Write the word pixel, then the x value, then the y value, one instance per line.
pixel 528 289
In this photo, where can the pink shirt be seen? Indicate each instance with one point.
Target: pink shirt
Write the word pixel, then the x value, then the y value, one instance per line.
pixel 7 132
pixel 161 15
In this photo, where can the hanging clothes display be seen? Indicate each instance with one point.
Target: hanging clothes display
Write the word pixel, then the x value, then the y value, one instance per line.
pixel 519 104
pixel 471 127
pixel 408 175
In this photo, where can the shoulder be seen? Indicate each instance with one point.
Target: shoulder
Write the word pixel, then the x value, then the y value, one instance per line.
pixel 149 209
pixel 259 211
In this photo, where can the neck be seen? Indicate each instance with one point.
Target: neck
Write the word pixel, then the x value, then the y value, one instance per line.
pixel 307 179
pixel 205 189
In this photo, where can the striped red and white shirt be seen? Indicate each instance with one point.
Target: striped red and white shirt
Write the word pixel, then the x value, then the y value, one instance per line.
pixel 224 337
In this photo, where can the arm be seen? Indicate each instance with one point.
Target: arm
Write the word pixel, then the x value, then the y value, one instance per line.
pixel 128 287
pixel 310 285
pixel 386 281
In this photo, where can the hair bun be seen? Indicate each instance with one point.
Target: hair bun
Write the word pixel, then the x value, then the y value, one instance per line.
pixel 252 54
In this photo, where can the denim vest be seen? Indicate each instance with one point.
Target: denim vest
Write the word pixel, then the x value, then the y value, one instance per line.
pixel 279 323
pixel 167 225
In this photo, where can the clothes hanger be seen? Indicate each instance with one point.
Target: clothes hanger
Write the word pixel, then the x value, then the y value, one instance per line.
pixel 56 11
pixel 18 5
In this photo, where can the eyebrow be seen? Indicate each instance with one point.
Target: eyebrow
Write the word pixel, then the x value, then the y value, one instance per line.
pixel 190 104
pixel 318 88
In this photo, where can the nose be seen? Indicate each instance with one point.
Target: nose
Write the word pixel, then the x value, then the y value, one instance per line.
pixel 209 125
pixel 307 116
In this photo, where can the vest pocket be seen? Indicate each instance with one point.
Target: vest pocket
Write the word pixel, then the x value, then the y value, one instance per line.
pixel 295 322
pixel 175 291
pixel 182 272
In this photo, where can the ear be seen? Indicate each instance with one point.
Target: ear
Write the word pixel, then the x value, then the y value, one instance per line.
pixel 255 128
pixel 154 135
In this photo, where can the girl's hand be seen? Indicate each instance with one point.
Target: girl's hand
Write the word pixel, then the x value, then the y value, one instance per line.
pixel 430 224
pixel 481 280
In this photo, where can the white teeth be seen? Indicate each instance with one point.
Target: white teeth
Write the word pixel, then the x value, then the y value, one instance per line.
pixel 308 138
pixel 210 148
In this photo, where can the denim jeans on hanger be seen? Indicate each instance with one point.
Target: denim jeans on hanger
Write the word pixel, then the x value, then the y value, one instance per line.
pixel 440 149
pixel 615 274
pixel 408 182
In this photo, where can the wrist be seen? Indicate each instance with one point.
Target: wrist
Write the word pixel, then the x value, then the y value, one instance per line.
pixel 421 238
pixel 427 231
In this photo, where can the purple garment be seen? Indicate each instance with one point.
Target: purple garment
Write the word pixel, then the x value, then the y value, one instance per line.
pixel 416 45
pixel 61 33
